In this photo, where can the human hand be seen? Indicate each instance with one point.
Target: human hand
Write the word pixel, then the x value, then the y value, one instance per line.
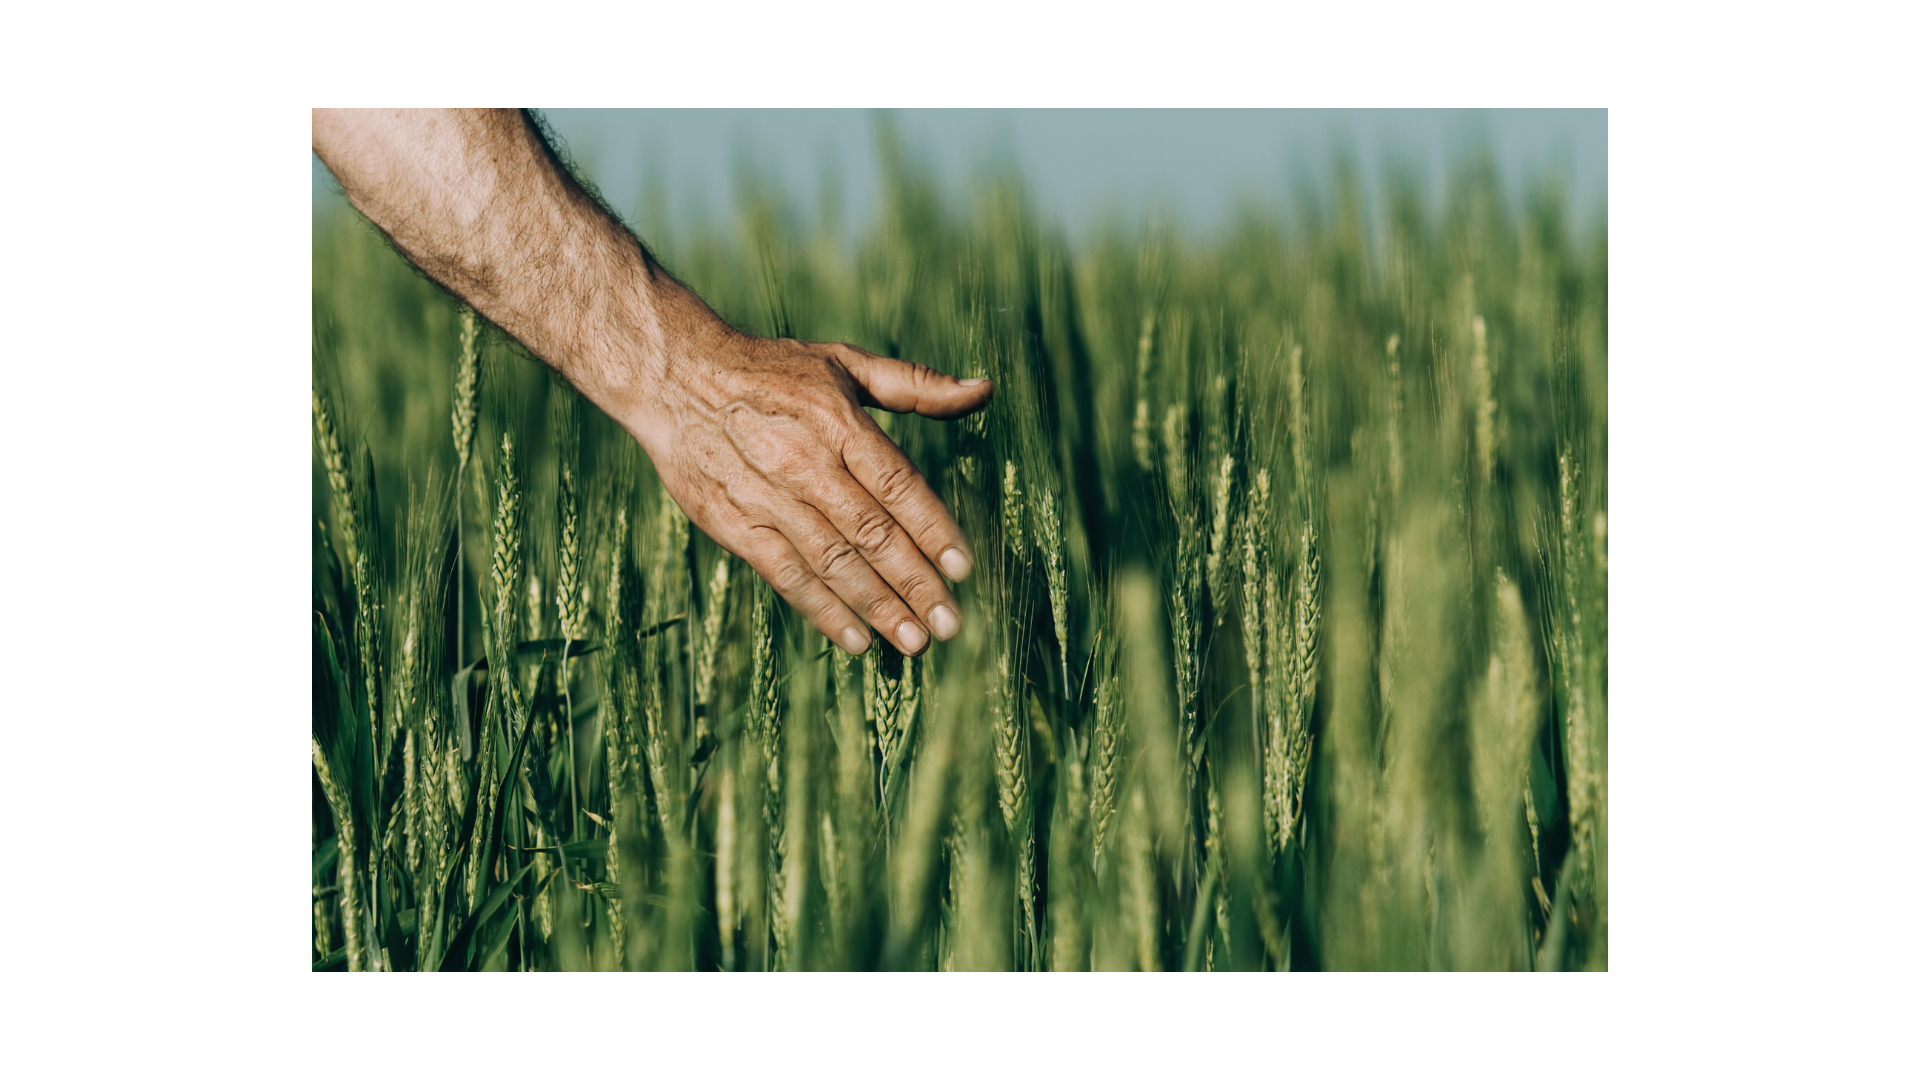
pixel 761 441
pixel 765 446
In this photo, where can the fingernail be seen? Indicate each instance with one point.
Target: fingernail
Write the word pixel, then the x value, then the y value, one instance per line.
pixel 912 638
pixel 855 639
pixel 946 622
pixel 973 382
pixel 956 564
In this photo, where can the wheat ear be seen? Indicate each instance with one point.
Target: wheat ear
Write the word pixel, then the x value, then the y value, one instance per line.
pixel 764 703
pixel 338 801
pixel 1052 548
pixel 466 400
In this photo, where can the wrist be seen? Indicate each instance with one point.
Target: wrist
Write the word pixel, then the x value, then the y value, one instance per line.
pixel 653 333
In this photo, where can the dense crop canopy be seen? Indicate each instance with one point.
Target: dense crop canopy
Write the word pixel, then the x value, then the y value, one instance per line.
pixel 1288 645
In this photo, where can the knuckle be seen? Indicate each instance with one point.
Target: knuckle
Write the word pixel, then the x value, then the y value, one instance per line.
pixel 873 530
pixel 787 576
pixel 837 558
pixel 896 482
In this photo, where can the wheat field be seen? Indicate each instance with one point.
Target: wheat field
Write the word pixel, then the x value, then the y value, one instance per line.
pixel 1287 649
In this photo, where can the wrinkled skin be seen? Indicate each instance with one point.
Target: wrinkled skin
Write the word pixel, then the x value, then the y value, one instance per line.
pixel 764 443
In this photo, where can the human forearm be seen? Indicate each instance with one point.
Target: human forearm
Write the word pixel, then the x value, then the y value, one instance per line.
pixel 474 199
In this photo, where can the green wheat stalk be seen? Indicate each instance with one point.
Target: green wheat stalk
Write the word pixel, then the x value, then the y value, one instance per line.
pixel 1109 727
pixel 1220 542
pixel 1290 746
pixel 1052 548
pixel 1012 515
pixel 712 622
pixel 1256 557
pixel 1187 573
pixel 765 704
pixel 333 459
pixel 571 601
pixel 504 708
pixel 1485 435
pixel 1509 709
pixel 466 402
pixel 342 808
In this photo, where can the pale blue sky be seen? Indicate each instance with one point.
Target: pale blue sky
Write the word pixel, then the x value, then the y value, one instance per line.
pixel 1081 166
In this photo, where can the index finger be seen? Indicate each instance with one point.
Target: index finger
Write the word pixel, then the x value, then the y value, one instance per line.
pixel 882 469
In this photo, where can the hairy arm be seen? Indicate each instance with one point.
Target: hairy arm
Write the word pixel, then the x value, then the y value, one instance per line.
pixel 761 441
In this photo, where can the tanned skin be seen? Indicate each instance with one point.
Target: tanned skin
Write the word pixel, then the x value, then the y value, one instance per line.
pixel 763 442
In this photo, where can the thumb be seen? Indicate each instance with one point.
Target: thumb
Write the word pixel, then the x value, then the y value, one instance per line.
pixel 898 386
